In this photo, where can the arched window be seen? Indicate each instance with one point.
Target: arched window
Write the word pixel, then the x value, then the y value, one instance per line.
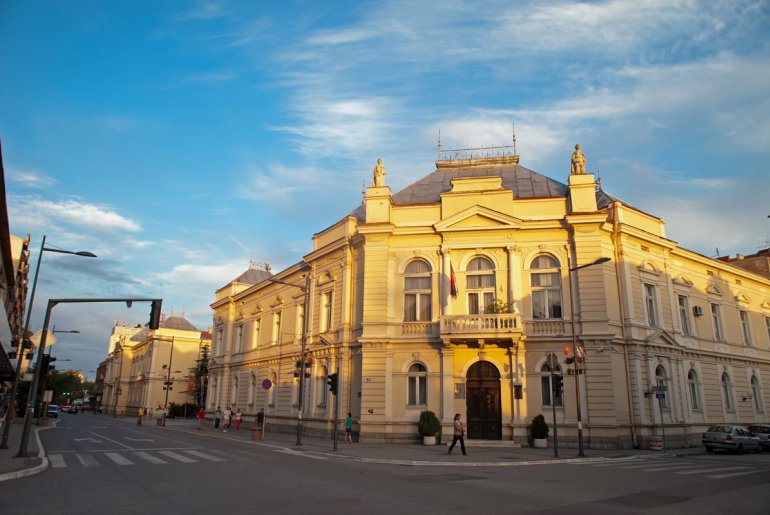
pixel 252 392
pixel 552 385
pixel 418 385
pixel 480 283
pixel 692 387
pixel 321 387
pixel 756 394
pixel 662 380
pixel 417 291
pixel 727 392
pixel 234 393
pixel 271 391
pixel 545 281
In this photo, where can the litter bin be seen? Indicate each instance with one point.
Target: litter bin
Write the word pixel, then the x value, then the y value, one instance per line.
pixel 256 434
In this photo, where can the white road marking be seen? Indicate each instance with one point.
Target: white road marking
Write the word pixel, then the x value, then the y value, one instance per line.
pixel 87 460
pixel 723 476
pixel 118 458
pixel 149 457
pixel 57 461
pixel 205 456
pixel 178 457
pixel 139 439
pixel 92 440
pixel 705 471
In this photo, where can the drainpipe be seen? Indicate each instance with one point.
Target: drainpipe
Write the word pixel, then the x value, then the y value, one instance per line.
pixel 618 274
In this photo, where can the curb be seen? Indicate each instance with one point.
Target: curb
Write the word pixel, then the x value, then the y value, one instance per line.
pixel 32 470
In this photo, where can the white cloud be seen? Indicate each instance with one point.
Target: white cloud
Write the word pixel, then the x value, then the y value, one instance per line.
pixel 38 212
pixel 30 178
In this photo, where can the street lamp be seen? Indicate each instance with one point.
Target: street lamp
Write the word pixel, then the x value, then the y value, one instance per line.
pixel 20 349
pixel 574 349
pixel 168 381
pixel 306 290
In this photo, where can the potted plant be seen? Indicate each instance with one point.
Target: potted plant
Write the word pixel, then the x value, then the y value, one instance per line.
pixel 539 432
pixel 429 427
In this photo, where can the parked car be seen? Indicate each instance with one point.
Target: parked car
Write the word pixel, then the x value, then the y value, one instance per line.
pixel 52 411
pixel 730 438
pixel 761 431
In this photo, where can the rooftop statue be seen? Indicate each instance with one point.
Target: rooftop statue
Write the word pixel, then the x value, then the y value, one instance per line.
pixel 578 161
pixel 378 181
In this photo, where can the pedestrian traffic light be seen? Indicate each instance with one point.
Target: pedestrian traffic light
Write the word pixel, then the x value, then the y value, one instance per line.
pixel 155 314
pixel 558 385
pixel 331 380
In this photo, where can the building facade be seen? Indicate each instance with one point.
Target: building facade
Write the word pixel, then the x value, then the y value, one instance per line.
pixel 489 290
pixel 151 368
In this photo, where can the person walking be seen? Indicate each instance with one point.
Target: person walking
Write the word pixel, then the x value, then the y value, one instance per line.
pixel 217 418
pixel 226 417
pixel 200 416
pixel 238 417
pixel 139 418
pixel 458 434
pixel 349 428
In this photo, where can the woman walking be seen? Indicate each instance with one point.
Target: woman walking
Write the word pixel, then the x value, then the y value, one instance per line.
pixel 217 418
pixel 349 428
pixel 458 434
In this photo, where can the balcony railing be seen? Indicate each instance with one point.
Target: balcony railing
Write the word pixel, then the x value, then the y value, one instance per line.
pixel 491 324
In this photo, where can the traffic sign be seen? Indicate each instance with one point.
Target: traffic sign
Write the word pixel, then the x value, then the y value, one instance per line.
pixel 267 384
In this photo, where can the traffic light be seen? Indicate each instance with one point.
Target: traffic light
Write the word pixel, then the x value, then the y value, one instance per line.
pixel 44 365
pixel 331 380
pixel 558 385
pixel 155 314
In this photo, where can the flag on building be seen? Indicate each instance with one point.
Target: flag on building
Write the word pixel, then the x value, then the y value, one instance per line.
pixel 581 350
pixel 452 281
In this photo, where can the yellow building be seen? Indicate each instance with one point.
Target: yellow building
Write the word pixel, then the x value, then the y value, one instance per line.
pixel 461 292
pixel 151 368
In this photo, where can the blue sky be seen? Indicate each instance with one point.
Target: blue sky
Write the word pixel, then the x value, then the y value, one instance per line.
pixel 179 139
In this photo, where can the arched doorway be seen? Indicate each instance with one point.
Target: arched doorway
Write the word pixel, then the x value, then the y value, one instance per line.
pixel 483 402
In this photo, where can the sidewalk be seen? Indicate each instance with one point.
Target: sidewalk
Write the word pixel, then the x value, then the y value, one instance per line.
pixel 480 453
pixel 13 468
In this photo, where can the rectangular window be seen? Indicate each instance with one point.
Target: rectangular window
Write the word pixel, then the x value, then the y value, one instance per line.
pixel 276 327
pixel 238 339
pixel 551 390
pixel 684 315
pixel 417 307
pixel 767 323
pixel 477 302
pixel 255 333
pixel 418 390
pixel 716 320
pixel 745 328
pixel 326 312
pixel 300 329
pixel 651 303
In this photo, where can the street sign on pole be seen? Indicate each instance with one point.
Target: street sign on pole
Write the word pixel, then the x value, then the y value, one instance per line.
pixel 267 384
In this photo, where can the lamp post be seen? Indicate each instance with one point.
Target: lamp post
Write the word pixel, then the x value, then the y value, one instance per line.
pixel 20 348
pixel 168 381
pixel 306 290
pixel 574 349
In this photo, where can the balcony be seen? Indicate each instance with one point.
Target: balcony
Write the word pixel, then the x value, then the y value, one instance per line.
pixel 500 326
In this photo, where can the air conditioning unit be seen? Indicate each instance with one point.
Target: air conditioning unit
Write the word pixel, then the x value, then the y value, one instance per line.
pixel 697 311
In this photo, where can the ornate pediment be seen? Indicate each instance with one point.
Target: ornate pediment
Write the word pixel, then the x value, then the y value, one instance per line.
pixel 741 298
pixel 662 337
pixel 478 218
pixel 683 281
pixel 713 290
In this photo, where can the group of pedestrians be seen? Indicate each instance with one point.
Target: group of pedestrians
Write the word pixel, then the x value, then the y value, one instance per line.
pixel 224 418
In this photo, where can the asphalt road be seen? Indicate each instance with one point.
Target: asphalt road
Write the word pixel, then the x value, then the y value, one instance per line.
pixel 104 466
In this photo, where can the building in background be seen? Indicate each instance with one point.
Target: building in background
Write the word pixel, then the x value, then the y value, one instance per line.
pixel 489 290
pixel 152 368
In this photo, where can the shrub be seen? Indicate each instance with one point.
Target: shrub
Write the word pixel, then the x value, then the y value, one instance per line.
pixel 429 424
pixel 539 427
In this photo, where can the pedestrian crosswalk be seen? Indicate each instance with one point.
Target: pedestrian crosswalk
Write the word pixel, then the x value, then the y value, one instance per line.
pixel 680 467
pixel 124 458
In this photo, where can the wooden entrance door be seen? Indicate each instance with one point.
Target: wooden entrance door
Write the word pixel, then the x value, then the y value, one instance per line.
pixel 483 402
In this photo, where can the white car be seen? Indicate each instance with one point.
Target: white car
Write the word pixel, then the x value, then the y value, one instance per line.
pixel 52 411
pixel 730 438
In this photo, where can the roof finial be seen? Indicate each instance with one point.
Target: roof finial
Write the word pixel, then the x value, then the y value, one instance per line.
pixel 513 128
pixel 599 179
pixel 439 144
pixel 252 263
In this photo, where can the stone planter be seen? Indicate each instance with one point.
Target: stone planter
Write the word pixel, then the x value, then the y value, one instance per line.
pixel 541 443
pixel 429 440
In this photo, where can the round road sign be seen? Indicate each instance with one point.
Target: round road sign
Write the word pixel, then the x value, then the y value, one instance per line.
pixel 267 384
